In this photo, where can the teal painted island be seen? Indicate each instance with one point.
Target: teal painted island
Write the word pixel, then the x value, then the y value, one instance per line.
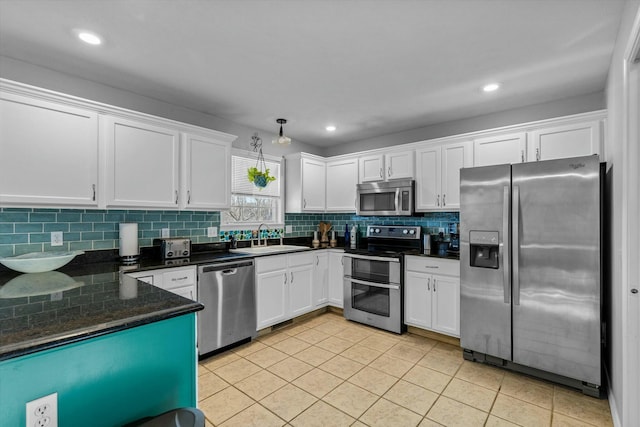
pixel 112 348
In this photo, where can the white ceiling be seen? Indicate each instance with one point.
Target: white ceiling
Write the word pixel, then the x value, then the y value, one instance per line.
pixel 369 67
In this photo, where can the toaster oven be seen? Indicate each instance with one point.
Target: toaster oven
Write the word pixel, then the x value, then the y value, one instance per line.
pixel 176 247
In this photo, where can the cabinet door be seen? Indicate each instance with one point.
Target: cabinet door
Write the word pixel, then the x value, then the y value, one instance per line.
pixel 417 299
pixel 428 178
pixel 206 173
pixel 272 298
pixel 371 168
pixel 320 278
pixel 573 140
pixel 300 290
pixel 187 292
pixel 500 149
pixel 454 158
pixel 399 165
pixel 313 185
pixel 342 178
pixel 446 305
pixel 48 153
pixel 141 164
pixel 336 279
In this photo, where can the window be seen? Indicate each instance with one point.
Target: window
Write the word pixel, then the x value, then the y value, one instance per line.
pixel 250 205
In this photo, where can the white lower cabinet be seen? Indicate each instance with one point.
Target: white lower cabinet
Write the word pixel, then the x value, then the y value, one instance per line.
pixel 284 287
pixel 432 294
pixel 336 278
pixel 320 278
pixel 179 280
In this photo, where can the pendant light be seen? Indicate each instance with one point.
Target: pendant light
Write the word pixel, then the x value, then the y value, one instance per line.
pixel 282 140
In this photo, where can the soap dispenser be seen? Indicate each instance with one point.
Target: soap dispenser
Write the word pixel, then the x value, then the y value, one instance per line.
pixel 354 236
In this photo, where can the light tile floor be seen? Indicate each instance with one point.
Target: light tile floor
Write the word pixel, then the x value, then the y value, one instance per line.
pixel 327 371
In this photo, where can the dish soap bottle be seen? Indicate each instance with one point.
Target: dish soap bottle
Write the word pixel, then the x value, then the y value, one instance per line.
pixel 354 235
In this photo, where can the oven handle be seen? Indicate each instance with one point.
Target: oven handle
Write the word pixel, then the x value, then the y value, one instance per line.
pixel 373 258
pixel 372 284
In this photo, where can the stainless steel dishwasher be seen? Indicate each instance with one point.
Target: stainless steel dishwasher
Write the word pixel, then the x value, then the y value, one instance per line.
pixel 227 292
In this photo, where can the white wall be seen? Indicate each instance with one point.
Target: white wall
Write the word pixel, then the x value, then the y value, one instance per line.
pixel 562 107
pixel 34 75
pixel 614 155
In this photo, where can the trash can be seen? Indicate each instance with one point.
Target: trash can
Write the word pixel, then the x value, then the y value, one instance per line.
pixel 182 417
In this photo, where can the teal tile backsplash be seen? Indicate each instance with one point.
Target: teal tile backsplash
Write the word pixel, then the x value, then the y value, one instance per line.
pixel 24 230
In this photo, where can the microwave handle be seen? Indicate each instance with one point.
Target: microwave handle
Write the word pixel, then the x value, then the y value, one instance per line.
pixel 398 201
pixel 371 257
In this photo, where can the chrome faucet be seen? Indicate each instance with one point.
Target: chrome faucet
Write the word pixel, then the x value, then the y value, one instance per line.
pixel 265 239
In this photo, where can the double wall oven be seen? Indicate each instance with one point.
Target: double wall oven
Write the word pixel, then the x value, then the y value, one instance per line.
pixel 373 276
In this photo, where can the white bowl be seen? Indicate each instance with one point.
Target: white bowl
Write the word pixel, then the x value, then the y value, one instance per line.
pixel 38 262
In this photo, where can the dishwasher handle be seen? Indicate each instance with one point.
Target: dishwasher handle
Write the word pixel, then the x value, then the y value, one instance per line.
pixel 226 267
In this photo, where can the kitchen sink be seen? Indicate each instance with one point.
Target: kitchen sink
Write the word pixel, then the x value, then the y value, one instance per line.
pixel 274 249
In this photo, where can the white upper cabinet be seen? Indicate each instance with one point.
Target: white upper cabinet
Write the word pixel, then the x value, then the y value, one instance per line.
pixel 567 140
pixel 438 175
pixel 500 149
pixel 386 166
pixel 399 164
pixel 142 161
pixel 205 173
pixel 305 182
pixel 48 153
pixel 72 152
pixel 371 168
pixel 342 178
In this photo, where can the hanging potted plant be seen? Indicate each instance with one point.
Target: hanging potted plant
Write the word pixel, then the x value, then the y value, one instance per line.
pixel 259 174
pixel 259 178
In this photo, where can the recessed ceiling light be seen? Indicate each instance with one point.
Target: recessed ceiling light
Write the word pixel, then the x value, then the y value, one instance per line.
pixel 331 128
pixel 491 87
pixel 89 38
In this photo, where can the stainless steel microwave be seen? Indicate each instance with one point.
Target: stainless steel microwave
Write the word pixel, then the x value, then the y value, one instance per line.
pixel 386 198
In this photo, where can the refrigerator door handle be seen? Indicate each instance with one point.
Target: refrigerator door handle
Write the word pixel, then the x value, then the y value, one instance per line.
pixel 516 244
pixel 506 247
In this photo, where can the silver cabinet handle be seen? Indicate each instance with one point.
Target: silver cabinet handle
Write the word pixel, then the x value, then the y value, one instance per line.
pixel 93 187
pixel 515 233
pixel 438 200
pixel 304 203
pixel 188 197
pixel 444 202
pixel 285 277
pixel 429 284
pixel 434 284
pixel 342 260
pixel 634 291
pixel 537 154
pixel 506 247
pixel 292 277
pixel 176 197
pixel 389 171
pixel 431 266
pixel 317 260
pixel 381 174
pixel 522 155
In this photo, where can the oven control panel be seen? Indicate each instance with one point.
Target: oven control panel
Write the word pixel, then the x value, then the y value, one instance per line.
pixel 394 232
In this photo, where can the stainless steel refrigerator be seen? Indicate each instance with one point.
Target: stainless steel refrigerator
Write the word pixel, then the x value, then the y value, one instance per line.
pixel 530 268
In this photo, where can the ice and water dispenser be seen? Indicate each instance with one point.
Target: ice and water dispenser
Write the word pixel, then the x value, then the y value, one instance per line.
pixel 484 247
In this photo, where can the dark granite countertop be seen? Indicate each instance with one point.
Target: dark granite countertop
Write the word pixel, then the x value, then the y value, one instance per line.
pixel 40 311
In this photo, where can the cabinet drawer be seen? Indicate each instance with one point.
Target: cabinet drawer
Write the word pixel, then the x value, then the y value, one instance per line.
pixel 303 258
pixel 270 263
pixel 179 277
pixel 449 267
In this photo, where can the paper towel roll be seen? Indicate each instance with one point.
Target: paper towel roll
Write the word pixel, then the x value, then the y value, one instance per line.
pixel 129 239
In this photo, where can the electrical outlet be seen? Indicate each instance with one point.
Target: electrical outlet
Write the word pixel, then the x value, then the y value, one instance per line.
pixel 288 229
pixel 43 412
pixel 165 232
pixel 212 231
pixel 56 238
